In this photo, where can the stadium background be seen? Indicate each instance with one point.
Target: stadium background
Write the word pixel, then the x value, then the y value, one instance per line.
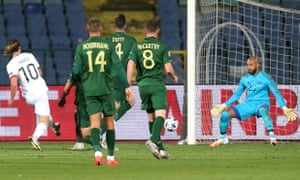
pixel 51 29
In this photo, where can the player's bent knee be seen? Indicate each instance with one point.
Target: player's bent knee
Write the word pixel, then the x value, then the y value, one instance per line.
pixel 225 116
pixel 160 113
pixel 263 112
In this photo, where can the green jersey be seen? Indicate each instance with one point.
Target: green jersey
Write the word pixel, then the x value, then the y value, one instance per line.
pixel 123 44
pixel 150 55
pixel 93 63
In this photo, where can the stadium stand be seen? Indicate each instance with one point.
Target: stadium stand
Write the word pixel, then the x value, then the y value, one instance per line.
pixel 63 71
pixel 36 25
pixel 32 7
pixel 292 4
pixel 2 25
pixel 169 23
pixel 40 42
pixel 46 26
pixel 43 27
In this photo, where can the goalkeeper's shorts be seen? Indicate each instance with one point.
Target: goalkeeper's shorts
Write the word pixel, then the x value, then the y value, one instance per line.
pixel 248 109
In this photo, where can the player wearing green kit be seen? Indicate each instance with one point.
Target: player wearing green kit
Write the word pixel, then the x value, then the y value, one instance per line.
pixel 152 61
pixel 94 60
pixel 123 44
pixel 82 122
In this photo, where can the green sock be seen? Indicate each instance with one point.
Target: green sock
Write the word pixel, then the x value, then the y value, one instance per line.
pixel 78 134
pixel 87 140
pixel 125 106
pixel 77 129
pixel 156 129
pixel 150 126
pixel 103 127
pixel 95 139
pixel 110 140
pixel 160 145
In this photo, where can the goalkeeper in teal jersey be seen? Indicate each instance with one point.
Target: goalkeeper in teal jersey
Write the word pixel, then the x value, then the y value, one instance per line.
pixel 94 60
pixel 258 85
pixel 123 44
pixel 152 60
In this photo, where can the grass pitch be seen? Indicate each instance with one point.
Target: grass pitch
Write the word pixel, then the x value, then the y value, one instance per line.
pixel 235 161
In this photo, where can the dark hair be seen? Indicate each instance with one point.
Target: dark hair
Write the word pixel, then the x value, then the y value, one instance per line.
pixel 120 21
pixel 11 47
pixel 152 25
pixel 93 24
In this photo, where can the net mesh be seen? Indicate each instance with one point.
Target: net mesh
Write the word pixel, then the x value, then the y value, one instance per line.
pixel 227 32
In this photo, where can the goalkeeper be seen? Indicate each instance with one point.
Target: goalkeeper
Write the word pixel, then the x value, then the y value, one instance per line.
pixel 258 85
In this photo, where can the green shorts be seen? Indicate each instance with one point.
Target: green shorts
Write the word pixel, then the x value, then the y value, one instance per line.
pixel 104 104
pixel 153 97
pixel 119 89
pixel 82 116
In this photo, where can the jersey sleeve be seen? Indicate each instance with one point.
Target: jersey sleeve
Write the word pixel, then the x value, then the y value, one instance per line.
pixel 12 69
pixel 237 94
pixel 274 89
pixel 132 53
pixel 36 62
pixel 76 69
pixel 118 68
pixel 166 55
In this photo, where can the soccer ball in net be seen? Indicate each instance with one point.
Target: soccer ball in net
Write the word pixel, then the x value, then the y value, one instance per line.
pixel 171 124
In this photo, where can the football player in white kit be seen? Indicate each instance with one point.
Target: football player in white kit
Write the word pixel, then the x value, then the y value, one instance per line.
pixel 24 69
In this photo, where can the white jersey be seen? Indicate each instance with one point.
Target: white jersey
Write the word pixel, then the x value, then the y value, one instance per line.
pixel 25 67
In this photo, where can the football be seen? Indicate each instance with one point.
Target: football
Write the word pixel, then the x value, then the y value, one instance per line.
pixel 171 124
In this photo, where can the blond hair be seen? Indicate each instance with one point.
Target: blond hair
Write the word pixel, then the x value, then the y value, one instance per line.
pixel 11 47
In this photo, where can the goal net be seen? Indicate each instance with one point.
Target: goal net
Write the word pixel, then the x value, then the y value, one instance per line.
pixel 227 32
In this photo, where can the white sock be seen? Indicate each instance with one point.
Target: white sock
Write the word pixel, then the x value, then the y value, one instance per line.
pixel 110 158
pixel 40 129
pixel 51 122
pixel 98 153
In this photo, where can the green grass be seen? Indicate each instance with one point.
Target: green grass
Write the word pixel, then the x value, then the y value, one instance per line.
pixel 235 161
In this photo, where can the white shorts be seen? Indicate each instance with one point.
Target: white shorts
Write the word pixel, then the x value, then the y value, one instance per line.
pixel 40 102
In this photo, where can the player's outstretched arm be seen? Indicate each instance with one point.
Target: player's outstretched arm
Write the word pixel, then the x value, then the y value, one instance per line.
pixel 289 113
pixel 67 88
pixel 217 109
pixel 170 71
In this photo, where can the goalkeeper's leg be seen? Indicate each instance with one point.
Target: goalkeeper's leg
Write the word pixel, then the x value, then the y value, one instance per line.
pixel 268 124
pixel 224 121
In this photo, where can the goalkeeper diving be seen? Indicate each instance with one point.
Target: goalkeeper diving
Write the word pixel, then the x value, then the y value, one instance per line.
pixel 257 85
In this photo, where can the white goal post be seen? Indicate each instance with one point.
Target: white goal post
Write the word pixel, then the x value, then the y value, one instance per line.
pixel 220 37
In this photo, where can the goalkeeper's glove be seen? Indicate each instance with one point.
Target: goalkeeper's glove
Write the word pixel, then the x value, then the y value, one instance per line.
pixel 289 113
pixel 217 109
